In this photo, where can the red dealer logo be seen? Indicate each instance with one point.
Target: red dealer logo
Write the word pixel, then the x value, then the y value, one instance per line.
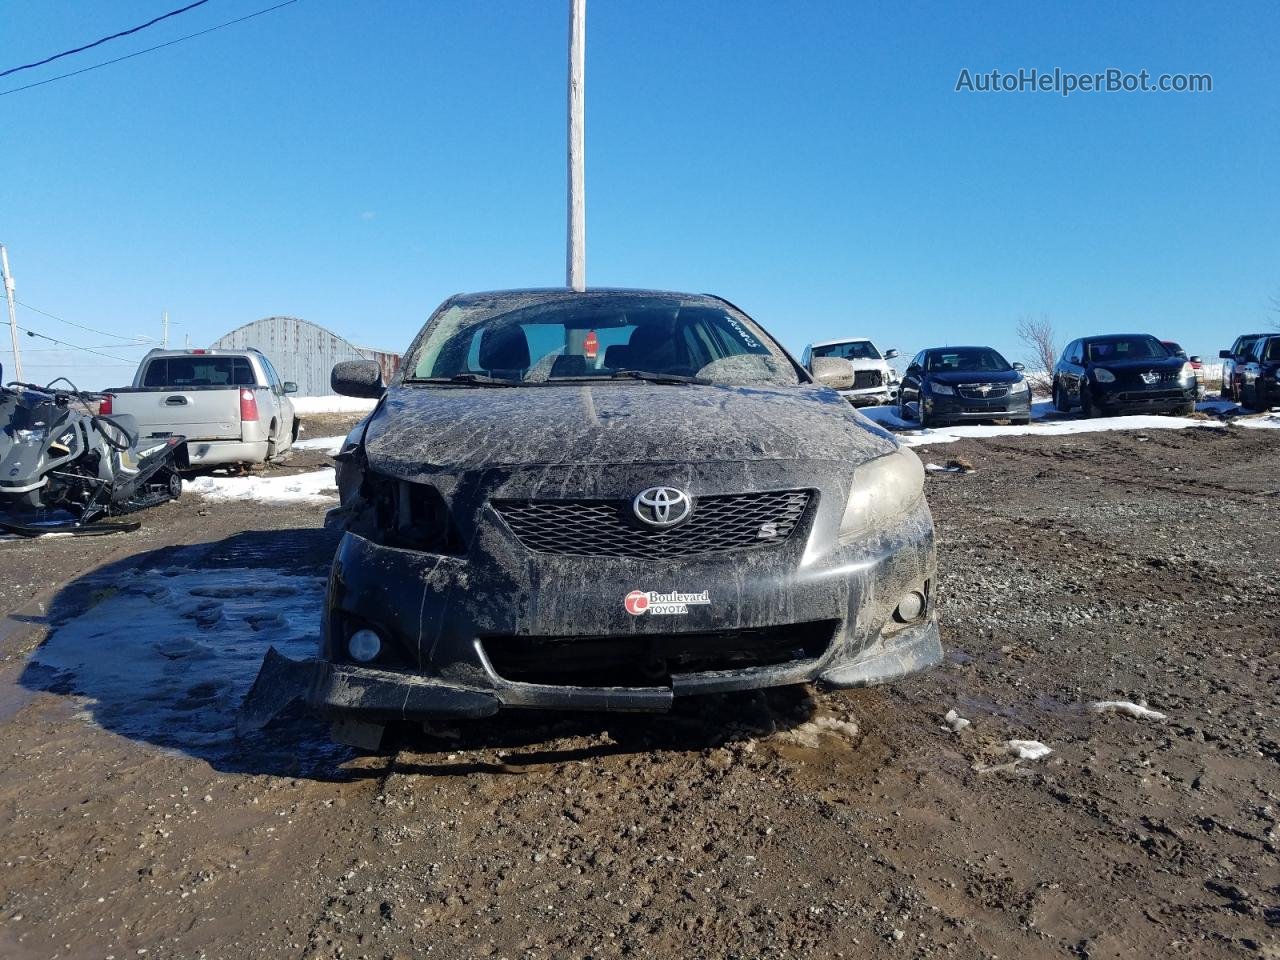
pixel 636 602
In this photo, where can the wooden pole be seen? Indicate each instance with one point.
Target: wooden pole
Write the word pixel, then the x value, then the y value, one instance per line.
pixel 577 254
pixel 13 317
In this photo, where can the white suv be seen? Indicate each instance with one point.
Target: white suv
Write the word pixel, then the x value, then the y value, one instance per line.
pixel 874 381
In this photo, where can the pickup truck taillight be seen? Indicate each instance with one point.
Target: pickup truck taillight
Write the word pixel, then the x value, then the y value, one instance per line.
pixel 248 405
pixel 104 405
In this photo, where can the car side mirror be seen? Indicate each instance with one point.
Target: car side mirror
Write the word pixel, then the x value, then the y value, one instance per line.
pixel 290 387
pixel 890 354
pixel 357 378
pixel 1019 366
pixel 1225 355
pixel 832 372
pixel 1193 360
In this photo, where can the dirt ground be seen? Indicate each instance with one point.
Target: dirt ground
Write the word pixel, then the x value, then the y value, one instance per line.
pixel 1110 566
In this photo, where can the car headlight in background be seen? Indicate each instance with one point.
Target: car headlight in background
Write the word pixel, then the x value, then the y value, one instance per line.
pixel 943 389
pixel 1104 376
pixel 1188 372
pixel 1020 386
pixel 883 489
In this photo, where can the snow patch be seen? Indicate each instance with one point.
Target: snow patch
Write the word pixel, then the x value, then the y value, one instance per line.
pixel 168 658
pixel 334 404
pixel 1138 710
pixel 955 722
pixel 330 445
pixel 810 733
pixel 316 486
pixel 1028 749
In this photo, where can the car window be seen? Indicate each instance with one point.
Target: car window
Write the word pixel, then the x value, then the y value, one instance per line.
pixel 1074 353
pixel 1112 349
pixel 1272 349
pixel 853 350
pixel 965 360
pixel 273 378
pixel 198 371
pixel 545 341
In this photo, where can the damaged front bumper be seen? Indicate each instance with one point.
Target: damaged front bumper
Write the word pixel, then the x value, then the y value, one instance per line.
pixel 466 636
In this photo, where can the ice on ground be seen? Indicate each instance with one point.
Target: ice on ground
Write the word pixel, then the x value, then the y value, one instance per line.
pixel 330 445
pixel 809 734
pixel 1028 749
pixel 955 722
pixel 334 404
pixel 1268 421
pixel 315 486
pixel 167 655
pixel 1137 710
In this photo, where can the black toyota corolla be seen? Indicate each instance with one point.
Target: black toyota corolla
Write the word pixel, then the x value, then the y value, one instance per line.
pixel 604 500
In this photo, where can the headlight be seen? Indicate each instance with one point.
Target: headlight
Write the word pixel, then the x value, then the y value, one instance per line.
pixel 1188 372
pixel 942 388
pixel 883 489
pixel 1020 386
pixel 1104 376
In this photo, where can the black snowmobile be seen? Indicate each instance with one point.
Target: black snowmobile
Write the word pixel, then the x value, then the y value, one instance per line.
pixel 64 469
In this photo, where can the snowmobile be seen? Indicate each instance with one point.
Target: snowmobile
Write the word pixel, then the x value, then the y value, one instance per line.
pixel 65 469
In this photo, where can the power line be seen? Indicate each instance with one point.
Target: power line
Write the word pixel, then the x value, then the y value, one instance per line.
pixel 63 343
pixel 114 36
pixel 81 326
pixel 159 46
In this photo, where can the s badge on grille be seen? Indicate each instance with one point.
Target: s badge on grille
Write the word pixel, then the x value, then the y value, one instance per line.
pixel 662 506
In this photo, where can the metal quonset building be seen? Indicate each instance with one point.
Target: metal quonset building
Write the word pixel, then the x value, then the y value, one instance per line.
pixel 303 352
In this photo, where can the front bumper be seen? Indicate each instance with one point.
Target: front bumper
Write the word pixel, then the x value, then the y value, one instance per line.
pixel 448 622
pixel 957 408
pixel 871 396
pixel 1130 398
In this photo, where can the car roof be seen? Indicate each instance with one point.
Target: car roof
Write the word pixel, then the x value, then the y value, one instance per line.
pixel 1118 336
pixel 531 295
pixel 958 347
pixel 832 343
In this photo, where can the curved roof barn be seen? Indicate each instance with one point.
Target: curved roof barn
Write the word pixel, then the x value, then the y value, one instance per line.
pixel 302 351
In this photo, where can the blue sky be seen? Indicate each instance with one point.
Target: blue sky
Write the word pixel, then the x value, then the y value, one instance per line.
pixel 354 163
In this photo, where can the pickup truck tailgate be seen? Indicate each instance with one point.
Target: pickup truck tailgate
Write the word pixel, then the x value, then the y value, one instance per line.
pixel 199 414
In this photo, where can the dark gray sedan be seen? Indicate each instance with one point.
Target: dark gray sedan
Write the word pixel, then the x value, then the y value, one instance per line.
pixel 606 500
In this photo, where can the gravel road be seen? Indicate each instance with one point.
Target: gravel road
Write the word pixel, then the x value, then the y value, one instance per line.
pixel 1120 567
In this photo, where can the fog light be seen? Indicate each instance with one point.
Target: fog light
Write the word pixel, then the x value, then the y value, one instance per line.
pixel 911 606
pixel 364 645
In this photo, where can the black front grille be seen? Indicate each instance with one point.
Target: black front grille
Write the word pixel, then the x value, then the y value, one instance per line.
pixel 638 660
pixel 1147 378
pixel 866 379
pixel 1150 396
pixel 974 391
pixel 609 528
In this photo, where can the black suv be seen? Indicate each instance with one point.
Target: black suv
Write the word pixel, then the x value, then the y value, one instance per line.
pixel 1123 373
pixel 1233 362
pixel 1259 374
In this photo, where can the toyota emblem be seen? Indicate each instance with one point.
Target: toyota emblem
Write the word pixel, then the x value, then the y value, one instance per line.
pixel 662 506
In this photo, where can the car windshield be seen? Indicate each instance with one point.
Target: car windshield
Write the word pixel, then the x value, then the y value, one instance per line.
pixel 1272 350
pixel 1126 348
pixel 529 340
pixel 966 359
pixel 852 350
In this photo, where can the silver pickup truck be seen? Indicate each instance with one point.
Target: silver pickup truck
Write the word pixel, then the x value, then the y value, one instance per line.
pixel 231 405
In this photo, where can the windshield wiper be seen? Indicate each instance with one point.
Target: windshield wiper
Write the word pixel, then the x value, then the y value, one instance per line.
pixel 473 379
pixel 649 377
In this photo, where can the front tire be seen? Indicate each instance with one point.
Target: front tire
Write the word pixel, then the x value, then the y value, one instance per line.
pixel 1087 408
pixel 1060 402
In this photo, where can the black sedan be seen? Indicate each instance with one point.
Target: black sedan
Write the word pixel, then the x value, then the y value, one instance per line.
pixel 958 384
pixel 1123 373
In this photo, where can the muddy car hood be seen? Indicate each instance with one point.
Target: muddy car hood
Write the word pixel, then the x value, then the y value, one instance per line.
pixel 425 429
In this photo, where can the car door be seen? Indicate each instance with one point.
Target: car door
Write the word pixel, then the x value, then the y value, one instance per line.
pixel 1069 371
pixel 1248 370
pixel 281 408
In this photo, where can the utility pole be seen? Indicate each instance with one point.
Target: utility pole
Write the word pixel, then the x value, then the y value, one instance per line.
pixel 577 254
pixel 164 339
pixel 13 317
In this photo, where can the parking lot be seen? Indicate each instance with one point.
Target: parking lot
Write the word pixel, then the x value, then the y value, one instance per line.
pixel 1132 567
